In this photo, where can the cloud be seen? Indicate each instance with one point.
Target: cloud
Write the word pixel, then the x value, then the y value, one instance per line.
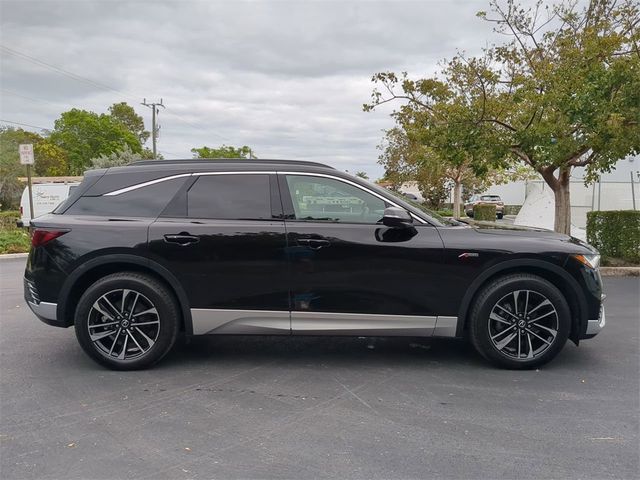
pixel 287 78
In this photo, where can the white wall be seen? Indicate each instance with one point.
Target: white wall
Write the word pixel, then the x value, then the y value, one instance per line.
pixel 613 192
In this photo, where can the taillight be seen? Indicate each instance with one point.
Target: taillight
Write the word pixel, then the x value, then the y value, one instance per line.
pixel 21 211
pixel 40 237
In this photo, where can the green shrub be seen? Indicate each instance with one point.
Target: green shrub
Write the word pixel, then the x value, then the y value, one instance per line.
pixel 512 209
pixel 615 233
pixel 9 218
pixel 484 212
pixel 14 240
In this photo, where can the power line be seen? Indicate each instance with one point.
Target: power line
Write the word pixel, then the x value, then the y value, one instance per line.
pixel 24 124
pixel 61 71
pixel 35 100
pixel 193 125
pixel 88 81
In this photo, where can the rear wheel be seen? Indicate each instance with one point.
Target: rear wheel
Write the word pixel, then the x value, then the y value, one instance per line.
pixel 127 321
pixel 499 215
pixel 520 321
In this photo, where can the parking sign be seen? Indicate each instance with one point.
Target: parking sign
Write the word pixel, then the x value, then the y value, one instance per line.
pixel 26 154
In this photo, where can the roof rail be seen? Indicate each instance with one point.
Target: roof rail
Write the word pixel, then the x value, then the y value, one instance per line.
pixel 229 160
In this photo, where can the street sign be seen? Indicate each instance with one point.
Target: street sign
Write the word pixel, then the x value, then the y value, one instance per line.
pixel 26 158
pixel 26 154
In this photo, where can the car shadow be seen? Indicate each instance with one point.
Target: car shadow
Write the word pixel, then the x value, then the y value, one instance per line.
pixel 305 350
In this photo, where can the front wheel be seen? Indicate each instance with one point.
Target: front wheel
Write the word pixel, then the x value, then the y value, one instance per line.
pixel 520 321
pixel 127 321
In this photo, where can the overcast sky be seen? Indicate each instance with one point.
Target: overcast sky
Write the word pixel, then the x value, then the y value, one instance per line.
pixel 286 78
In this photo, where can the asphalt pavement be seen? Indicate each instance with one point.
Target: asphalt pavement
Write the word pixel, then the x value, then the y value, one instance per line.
pixel 275 407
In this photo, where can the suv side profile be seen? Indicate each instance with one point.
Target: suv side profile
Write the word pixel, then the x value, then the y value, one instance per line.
pixel 140 253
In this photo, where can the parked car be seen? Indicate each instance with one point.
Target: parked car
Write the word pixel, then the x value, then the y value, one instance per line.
pixel 46 197
pixel 139 253
pixel 485 199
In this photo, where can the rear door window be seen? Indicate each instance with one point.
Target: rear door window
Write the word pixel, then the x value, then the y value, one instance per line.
pixel 232 196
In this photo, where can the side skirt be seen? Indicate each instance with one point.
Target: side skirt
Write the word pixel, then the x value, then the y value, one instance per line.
pixel 266 322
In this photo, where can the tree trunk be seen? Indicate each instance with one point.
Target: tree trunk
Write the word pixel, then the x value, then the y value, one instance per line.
pixel 562 223
pixel 457 198
pixel 560 187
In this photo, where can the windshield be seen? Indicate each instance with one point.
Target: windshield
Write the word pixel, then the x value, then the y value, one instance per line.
pixel 491 198
pixel 422 208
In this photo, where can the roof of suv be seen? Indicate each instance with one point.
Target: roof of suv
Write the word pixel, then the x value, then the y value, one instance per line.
pixel 199 162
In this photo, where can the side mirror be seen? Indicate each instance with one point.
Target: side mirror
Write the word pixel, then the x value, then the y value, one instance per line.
pixel 397 218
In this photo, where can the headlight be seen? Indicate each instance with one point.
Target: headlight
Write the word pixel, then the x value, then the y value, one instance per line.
pixel 591 261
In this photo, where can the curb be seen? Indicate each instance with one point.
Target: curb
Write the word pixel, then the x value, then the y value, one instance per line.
pixel 620 271
pixel 9 256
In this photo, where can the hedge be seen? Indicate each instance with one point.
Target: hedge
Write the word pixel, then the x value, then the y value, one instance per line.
pixel 484 212
pixel 615 233
pixel 9 218
pixel 512 209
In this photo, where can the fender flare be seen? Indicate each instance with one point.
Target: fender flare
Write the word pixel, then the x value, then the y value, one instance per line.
pixel 124 258
pixel 577 322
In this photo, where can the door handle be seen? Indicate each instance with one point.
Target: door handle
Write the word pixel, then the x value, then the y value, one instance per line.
pixel 183 239
pixel 313 243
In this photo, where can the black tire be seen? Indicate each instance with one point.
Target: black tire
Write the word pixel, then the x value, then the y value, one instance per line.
pixel 499 215
pixel 520 352
pixel 150 330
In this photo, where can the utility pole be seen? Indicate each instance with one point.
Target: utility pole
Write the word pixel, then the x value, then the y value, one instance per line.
pixel 154 129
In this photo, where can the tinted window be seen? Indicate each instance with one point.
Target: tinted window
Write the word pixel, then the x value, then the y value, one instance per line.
pixel 141 202
pixel 238 197
pixel 325 199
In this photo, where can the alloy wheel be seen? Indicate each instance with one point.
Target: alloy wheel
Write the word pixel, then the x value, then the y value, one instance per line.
pixel 123 324
pixel 523 324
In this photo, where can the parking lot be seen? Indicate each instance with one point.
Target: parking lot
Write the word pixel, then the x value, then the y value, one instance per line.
pixel 273 407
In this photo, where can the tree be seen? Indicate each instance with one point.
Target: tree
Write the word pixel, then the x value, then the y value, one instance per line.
pixel 50 159
pixel 563 92
pixel 407 160
pixel 362 174
pixel 436 132
pixel 85 135
pixel 115 159
pixel 225 151
pixel 127 116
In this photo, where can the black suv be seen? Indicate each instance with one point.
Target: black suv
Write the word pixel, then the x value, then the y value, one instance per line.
pixel 139 253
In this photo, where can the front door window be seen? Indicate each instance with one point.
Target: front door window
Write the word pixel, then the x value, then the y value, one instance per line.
pixel 320 199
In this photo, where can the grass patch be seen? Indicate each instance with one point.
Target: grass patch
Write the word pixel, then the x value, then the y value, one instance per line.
pixel 14 240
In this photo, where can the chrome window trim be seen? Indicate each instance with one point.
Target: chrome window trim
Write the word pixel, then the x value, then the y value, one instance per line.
pixel 263 172
pixel 181 175
pixel 145 184
pixel 246 172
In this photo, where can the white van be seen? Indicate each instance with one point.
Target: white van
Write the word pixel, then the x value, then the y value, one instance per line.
pixel 46 197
